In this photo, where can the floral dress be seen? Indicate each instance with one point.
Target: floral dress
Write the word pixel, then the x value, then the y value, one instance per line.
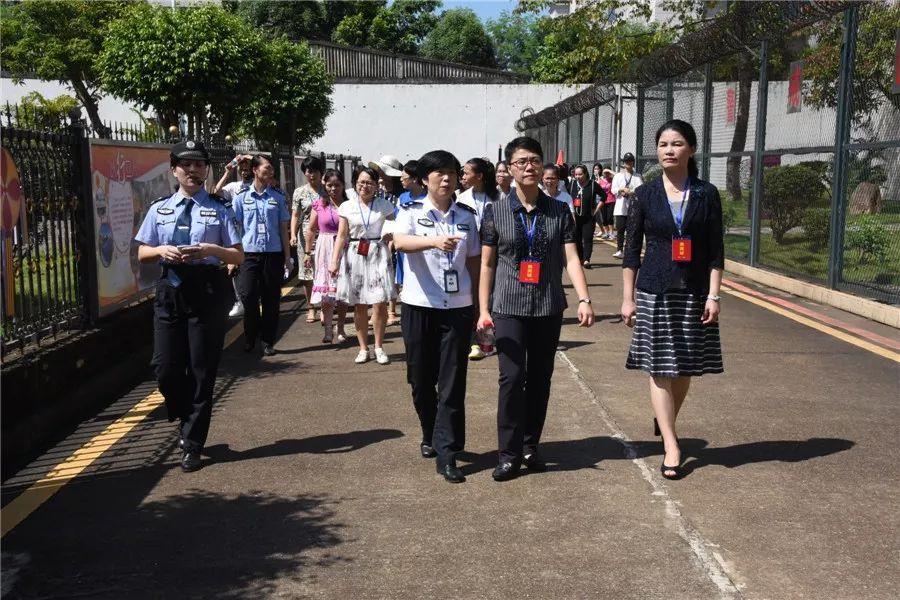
pixel 303 199
pixel 366 279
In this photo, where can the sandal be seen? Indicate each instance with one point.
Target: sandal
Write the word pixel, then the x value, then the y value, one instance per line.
pixel 311 317
pixel 678 470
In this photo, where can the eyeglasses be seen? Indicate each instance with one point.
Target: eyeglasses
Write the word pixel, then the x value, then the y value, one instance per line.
pixel 365 183
pixel 534 161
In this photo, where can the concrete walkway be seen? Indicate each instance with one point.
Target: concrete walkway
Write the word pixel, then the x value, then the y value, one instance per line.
pixel 314 487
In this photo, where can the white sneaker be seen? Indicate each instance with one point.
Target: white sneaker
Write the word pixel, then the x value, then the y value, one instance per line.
pixel 475 353
pixel 618 254
pixel 362 356
pixel 381 356
pixel 237 310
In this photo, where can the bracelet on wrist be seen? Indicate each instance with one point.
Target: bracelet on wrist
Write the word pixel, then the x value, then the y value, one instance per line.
pixel 714 298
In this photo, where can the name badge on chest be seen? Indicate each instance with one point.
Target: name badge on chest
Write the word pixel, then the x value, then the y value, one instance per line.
pixel 576 202
pixel 451 281
pixel 529 271
pixel 681 248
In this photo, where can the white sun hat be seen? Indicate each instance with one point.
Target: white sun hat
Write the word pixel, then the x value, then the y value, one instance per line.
pixel 389 165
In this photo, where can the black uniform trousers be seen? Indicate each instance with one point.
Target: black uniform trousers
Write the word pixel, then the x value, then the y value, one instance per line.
pixel 526 348
pixel 620 232
pixel 189 320
pixel 259 280
pixel 437 348
pixel 585 226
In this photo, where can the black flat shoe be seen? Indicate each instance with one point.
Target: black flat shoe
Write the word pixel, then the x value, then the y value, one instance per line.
pixel 533 462
pixel 505 471
pixel 451 473
pixel 268 350
pixel 656 430
pixel 427 451
pixel 678 471
pixel 190 461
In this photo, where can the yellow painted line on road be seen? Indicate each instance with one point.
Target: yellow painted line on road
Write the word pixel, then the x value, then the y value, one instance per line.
pixel 859 343
pixel 42 490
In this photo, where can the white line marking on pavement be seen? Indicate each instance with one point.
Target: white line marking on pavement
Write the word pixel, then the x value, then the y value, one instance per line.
pixel 709 560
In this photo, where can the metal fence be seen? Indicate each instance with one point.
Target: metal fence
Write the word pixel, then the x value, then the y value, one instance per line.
pixel 810 189
pixel 49 282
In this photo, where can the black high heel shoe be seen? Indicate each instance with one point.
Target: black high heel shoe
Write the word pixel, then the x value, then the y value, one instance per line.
pixel 678 470
pixel 656 430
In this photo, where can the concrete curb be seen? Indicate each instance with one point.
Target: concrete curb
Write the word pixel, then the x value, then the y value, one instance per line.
pixel 882 313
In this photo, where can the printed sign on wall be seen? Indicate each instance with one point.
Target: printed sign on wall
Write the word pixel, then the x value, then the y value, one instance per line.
pixel 896 87
pixel 795 87
pixel 730 104
pixel 126 180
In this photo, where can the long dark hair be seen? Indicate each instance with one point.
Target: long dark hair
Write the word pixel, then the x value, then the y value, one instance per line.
pixel 687 132
pixel 488 176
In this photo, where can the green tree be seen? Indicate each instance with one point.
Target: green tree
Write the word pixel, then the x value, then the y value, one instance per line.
pixel 517 39
pixel 353 30
pixel 202 62
pixel 399 27
pixel 34 111
pixel 460 37
pixel 874 67
pixel 298 20
pixel 59 41
pixel 291 106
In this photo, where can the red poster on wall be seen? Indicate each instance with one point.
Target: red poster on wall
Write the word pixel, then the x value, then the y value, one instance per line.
pixel 795 85
pixel 896 88
pixel 730 104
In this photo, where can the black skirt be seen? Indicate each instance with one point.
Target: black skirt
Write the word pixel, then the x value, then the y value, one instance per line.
pixel 669 340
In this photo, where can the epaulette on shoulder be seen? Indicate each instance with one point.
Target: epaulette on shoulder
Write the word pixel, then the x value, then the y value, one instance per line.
pixel 410 203
pixel 467 207
pixel 278 189
pixel 160 199
pixel 218 198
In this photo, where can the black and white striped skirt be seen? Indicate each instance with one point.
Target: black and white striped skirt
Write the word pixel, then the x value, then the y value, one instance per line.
pixel 668 338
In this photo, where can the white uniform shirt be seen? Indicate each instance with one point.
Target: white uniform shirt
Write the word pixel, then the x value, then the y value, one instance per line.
pixel 623 180
pixel 230 190
pixel 423 272
pixel 475 200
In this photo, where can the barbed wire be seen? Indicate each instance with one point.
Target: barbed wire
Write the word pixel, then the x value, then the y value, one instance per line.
pixel 740 29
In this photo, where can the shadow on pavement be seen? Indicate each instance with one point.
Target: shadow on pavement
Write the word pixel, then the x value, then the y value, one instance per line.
pixel 191 545
pixel 333 443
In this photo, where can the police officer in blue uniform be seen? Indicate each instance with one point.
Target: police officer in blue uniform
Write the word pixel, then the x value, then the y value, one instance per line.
pixel 192 234
pixel 263 215
pixel 442 252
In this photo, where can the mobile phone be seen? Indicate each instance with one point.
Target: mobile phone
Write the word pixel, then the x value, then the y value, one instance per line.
pixel 188 248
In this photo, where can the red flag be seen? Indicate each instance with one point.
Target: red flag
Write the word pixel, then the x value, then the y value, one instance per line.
pixel 560 159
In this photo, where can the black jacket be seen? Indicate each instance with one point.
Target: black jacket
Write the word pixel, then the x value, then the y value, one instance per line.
pixel 585 212
pixel 650 216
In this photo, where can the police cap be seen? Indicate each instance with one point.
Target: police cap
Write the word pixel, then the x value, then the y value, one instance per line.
pixel 189 149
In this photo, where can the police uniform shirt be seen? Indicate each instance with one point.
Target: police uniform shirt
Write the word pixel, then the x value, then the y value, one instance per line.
pixel 260 216
pixel 477 201
pixel 424 272
pixel 212 222
pixel 230 190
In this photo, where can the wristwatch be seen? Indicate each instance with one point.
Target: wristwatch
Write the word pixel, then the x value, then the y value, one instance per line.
pixel 714 298
pixel 585 300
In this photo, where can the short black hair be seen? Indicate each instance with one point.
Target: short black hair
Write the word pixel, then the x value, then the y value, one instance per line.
pixel 523 143
pixel 312 163
pixel 435 161
pixel 411 168
pixel 257 160
pixel 485 168
pixel 551 167
pixel 364 169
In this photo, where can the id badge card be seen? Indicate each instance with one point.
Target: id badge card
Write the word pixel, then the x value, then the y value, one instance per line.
pixel 261 229
pixel 362 247
pixel 576 202
pixel 530 271
pixel 451 281
pixel 681 249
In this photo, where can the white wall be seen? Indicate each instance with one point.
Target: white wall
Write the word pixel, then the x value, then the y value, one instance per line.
pixel 111 108
pixel 408 120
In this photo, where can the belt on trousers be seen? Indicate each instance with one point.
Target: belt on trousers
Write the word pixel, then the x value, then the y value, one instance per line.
pixel 375 239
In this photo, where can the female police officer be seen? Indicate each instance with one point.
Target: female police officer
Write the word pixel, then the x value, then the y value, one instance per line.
pixel 190 234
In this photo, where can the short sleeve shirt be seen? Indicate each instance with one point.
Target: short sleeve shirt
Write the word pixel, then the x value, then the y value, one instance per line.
pixel 260 216
pixel 212 222
pixel 477 201
pixel 504 229
pixel 230 190
pixel 366 221
pixel 424 272
pixel 622 180
pixel 327 218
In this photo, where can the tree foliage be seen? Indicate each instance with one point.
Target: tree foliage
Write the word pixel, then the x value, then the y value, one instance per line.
pixel 298 20
pixel 874 67
pixel 34 111
pixel 399 27
pixel 58 41
pixel 788 192
pixel 460 37
pixel 198 61
pixel 517 41
pixel 291 107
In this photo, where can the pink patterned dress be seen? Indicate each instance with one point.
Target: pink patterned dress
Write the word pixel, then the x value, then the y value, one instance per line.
pixel 327 218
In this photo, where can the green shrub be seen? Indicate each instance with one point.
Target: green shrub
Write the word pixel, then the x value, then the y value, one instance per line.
pixel 788 192
pixel 817 226
pixel 729 215
pixel 868 237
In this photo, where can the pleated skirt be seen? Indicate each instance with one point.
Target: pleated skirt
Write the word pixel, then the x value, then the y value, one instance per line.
pixel 669 340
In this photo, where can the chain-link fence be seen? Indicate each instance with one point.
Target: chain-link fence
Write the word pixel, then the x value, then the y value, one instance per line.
pixel 799 130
